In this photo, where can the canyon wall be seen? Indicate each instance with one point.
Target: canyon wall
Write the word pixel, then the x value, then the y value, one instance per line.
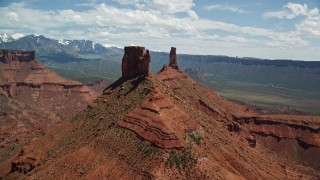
pixel 296 137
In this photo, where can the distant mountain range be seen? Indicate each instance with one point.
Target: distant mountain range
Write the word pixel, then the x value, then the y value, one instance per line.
pixel 57 50
pixel 85 46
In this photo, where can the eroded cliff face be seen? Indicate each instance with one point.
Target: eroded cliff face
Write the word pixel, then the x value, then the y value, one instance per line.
pixel 295 137
pixel 7 56
pixel 33 98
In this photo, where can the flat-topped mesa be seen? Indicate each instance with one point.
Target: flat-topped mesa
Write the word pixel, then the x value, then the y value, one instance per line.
pixel 7 56
pixel 173 58
pixel 135 61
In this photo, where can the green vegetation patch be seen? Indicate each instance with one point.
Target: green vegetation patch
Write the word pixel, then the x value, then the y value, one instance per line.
pixel 148 150
pixel 196 137
pixel 181 159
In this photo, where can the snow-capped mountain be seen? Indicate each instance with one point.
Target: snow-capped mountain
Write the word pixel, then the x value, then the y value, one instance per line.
pixel 41 44
pixel 58 50
pixel 84 46
pixel 4 37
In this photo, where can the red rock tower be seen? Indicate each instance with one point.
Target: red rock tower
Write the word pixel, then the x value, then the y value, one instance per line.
pixel 173 58
pixel 135 61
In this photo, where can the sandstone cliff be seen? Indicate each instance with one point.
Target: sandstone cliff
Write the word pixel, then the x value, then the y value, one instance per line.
pixel 33 98
pixel 290 136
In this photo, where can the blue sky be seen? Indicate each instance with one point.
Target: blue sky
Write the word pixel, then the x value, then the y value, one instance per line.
pixel 276 29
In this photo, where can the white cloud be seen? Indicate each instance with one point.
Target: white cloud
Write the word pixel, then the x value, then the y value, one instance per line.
pixel 128 1
pixel 226 7
pixel 238 39
pixel 287 40
pixel 156 24
pixel 309 26
pixel 297 9
pixel 155 32
pixel 171 6
pixel 289 11
pixel 12 16
pixel 124 20
pixel 165 6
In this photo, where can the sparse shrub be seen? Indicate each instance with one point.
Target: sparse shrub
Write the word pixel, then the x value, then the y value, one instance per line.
pixel 197 138
pixel 181 159
pixel 148 150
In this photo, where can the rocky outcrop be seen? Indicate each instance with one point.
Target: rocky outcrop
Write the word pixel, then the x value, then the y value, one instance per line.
pixel 25 165
pixel 135 61
pixel 6 89
pixel 7 56
pixel 159 121
pixel 173 58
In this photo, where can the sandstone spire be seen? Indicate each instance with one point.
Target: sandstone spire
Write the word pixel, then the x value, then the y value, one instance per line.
pixel 135 61
pixel 173 58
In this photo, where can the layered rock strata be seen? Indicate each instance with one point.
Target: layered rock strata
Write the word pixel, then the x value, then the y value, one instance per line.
pixel 296 137
pixel 159 121
pixel 21 70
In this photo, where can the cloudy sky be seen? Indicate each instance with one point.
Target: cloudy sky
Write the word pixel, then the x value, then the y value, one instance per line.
pixel 276 29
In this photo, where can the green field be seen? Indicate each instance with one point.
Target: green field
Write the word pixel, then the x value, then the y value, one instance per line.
pixel 273 99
